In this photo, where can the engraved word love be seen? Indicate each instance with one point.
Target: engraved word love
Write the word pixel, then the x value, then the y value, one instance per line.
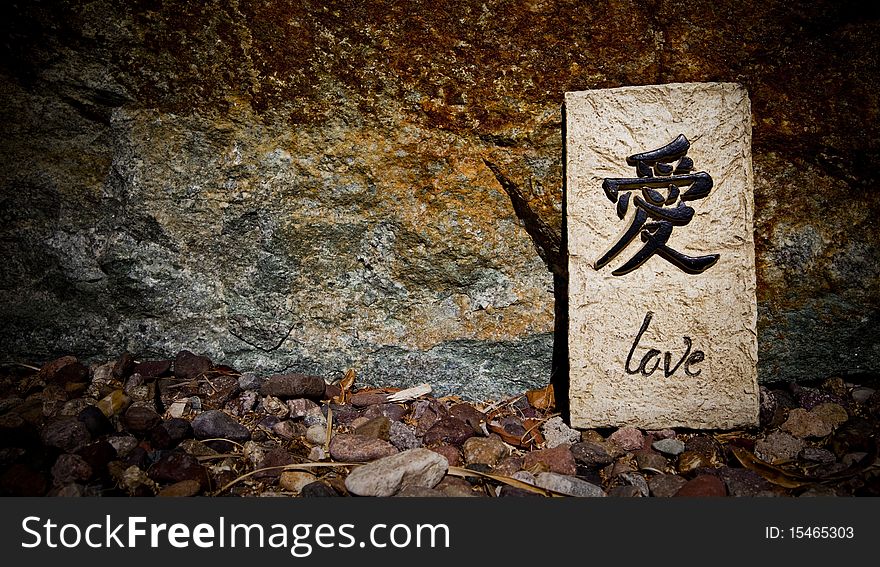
pixel 688 359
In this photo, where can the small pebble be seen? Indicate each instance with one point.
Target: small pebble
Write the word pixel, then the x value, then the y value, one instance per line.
pixel 778 447
pixel 301 407
pixel 817 455
pixel 450 453
pixel 70 468
pixel 665 485
pixel 68 434
pixel 182 489
pixel 351 447
pixel 628 438
pixel 316 434
pixel 851 459
pixel 704 486
pixel 386 476
pixel 557 433
pixel 294 481
pixel 862 394
pixel 484 450
pixel 293 386
pixel 216 424
pixel 317 489
pixel 669 446
pixel 250 381
pixel 557 460
pixel 403 437
pixel 569 485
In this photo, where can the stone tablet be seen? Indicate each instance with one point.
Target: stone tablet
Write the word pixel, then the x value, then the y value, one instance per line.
pixel 661 257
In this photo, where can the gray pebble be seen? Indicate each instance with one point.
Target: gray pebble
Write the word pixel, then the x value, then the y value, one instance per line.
pixel 385 477
pixel 403 437
pixel 250 381
pixel 215 424
pixel 672 447
pixel 569 485
pixel 557 433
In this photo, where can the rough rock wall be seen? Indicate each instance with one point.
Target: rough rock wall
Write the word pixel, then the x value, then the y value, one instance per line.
pixel 300 185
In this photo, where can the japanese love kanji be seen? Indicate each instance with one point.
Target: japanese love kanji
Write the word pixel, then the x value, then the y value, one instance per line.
pixel 666 211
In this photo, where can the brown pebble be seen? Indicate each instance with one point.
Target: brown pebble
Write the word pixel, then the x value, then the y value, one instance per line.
pixel 377 428
pixel 448 430
pixel 351 447
pixel 452 454
pixel 704 485
pixel 364 399
pixel 182 489
pixel 558 460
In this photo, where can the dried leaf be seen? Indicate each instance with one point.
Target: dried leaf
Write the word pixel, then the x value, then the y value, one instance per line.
pixel 497 408
pixel 291 467
pixel 329 430
pixel 542 398
pixel 770 472
pixel 510 439
pixel 533 431
pixel 348 380
pixel 410 393
pixel 221 370
pixel 528 440
pixel 345 385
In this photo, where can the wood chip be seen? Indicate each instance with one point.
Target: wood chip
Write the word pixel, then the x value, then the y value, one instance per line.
pixel 410 393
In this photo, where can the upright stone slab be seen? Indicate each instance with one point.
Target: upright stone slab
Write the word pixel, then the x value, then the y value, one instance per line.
pixel 661 257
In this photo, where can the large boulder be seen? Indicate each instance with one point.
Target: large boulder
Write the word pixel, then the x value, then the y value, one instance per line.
pixel 301 188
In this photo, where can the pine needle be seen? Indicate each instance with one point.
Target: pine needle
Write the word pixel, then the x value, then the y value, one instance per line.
pixel 329 430
pixel 292 467
pixel 462 472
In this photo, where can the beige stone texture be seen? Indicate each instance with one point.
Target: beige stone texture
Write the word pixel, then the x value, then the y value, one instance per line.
pixel 716 309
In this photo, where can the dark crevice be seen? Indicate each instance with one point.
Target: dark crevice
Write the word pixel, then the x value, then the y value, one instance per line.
pixel 552 247
pixel 546 240
pixel 262 348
